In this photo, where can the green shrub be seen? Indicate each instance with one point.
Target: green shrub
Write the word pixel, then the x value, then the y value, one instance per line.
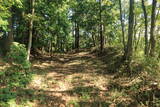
pixel 16 76
pixel 18 55
pixel 151 64
pixel 12 79
pixel 6 94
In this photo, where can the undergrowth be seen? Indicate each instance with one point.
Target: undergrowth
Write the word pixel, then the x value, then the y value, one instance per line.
pixel 14 77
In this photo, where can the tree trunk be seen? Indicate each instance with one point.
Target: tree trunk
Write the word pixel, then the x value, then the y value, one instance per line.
pixel 146 50
pixel 30 29
pixel 9 39
pixel 152 39
pixel 93 39
pixel 57 43
pixel 77 36
pixel 135 30
pixel 51 47
pixel 122 25
pixel 157 16
pixel 10 33
pixel 101 27
pixel 129 49
pixel 138 40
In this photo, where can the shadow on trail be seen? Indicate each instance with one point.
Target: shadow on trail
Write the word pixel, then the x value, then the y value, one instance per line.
pixel 56 64
pixel 109 62
pixel 63 70
pixel 112 60
pixel 62 59
pixel 77 80
pixel 41 98
pixel 89 97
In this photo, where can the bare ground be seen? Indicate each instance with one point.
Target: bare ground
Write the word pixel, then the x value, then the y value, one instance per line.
pixel 80 80
pixel 75 80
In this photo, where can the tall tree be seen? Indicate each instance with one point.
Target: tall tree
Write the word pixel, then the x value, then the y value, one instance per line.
pixel 9 38
pixel 152 36
pixel 146 27
pixel 32 2
pixel 122 24
pixel 101 26
pixel 77 35
pixel 129 49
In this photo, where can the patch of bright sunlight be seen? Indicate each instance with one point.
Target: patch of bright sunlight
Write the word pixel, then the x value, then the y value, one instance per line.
pixel 37 82
pixel 63 86
pixel 101 82
pixel 117 95
pixel 43 65
pixel 134 81
pixel 3 65
pixel 139 53
pixel 83 53
pixel 74 63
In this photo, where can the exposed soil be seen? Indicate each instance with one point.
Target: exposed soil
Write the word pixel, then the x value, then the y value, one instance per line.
pixel 79 79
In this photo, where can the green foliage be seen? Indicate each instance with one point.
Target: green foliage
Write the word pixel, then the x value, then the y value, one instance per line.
pixel 85 96
pixel 151 64
pixel 15 78
pixel 18 55
pixel 74 103
pixel 12 79
pixel 5 13
pixel 6 94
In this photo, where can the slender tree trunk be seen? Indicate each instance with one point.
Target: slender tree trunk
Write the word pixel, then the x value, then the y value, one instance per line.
pixel 77 36
pixel 10 33
pixel 137 42
pixel 146 50
pixel 93 39
pixel 122 24
pixel 9 39
pixel 61 45
pixel 129 49
pixel 101 27
pixel 57 43
pixel 158 13
pixel 152 38
pixel 30 29
pixel 51 47
pixel 135 30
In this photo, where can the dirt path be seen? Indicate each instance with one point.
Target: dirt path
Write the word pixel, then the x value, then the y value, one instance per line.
pixel 75 80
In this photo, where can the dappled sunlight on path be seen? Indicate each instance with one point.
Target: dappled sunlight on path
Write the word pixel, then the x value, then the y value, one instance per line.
pixel 82 80
pixel 74 78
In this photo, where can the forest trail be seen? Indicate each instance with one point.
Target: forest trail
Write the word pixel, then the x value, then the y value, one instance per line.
pixel 70 79
pixel 82 79
pixel 78 79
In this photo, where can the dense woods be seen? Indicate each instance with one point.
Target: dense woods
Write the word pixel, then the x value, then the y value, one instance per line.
pixel 119 40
